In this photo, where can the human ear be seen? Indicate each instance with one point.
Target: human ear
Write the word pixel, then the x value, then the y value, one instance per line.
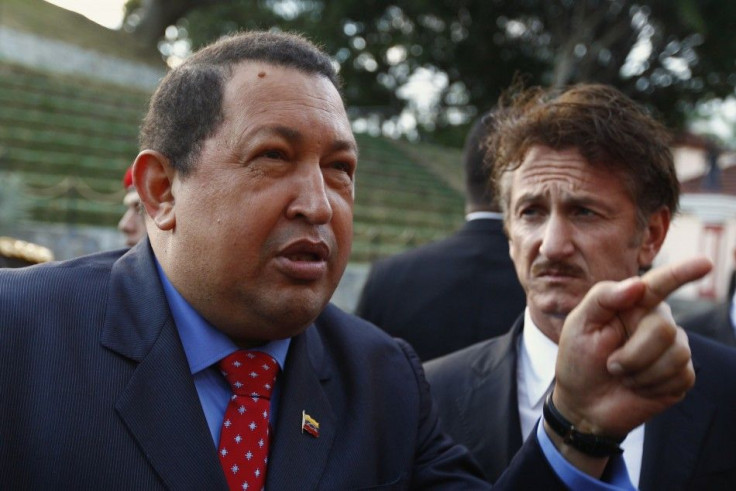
pixel 653 236
pixel 153 178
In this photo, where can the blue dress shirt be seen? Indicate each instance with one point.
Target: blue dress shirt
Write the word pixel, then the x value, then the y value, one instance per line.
pixel 204 347
pixel 574 478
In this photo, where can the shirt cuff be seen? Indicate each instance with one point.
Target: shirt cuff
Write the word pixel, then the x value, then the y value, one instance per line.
pixel 617 474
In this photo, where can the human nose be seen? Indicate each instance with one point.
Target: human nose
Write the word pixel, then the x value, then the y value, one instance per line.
pixel 126 223
pixel 557 240
pixel 311 199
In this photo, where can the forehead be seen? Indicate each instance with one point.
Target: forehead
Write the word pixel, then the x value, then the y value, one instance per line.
pixel 546 172
pixel 272 91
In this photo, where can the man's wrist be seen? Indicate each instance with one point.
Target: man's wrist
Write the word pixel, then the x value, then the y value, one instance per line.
pixel 592 445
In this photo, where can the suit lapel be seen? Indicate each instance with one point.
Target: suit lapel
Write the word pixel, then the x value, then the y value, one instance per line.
pixel 672 441
pixel 493 393
pixel 297 460
pixel 159 405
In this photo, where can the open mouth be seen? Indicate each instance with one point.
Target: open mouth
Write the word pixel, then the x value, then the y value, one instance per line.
pixel 304 260
pixel 305 256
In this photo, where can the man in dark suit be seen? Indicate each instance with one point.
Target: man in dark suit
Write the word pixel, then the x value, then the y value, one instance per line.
pixel 717 322
pixel 450 294
pixel 588 187
pixel 131 224
pixel 114 368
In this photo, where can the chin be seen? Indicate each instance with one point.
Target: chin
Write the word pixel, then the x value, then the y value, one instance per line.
pixel 557 307
pixel 299 313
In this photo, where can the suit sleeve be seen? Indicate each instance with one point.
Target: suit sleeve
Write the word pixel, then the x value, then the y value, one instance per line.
pixel 440 463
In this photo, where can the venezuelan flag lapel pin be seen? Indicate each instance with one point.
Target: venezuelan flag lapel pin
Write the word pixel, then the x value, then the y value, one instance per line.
pixel 310 425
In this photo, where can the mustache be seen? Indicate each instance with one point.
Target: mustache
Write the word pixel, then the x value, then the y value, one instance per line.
pixel 545 267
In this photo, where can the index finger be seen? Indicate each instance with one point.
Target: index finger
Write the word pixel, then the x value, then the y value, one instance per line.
pixel 664 280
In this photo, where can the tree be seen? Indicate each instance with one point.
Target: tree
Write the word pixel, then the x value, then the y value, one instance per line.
pixel 668 54
pixel 150 18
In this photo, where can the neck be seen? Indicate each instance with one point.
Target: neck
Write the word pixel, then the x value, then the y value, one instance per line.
pixel 550 325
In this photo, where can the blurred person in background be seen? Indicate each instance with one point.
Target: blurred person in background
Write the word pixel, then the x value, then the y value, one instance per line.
pixel 132 224
pixel 455 292
pixel 719 321
pixel 16 253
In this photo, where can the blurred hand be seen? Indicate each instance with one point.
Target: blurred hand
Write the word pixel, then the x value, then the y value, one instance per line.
pixel 622 359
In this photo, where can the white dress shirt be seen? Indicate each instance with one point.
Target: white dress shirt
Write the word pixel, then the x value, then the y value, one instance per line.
pixel 481 215
pixel 534 374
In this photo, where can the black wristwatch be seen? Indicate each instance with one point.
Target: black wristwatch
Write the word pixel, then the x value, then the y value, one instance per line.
pixel 588 443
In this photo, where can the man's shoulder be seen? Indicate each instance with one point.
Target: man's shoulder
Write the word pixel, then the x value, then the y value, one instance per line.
pixel 355 351
pixel 473 235
pixel 452 372
pixel 54 303
pixel 346 331
pixel 715 371
pixel 417 255
pixel 713 359
pixel 699 321
pixel 456 366
pixel 55 278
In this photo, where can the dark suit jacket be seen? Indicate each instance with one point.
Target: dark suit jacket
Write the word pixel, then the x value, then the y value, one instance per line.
pixel 691 445
pixel 446 295
pixel 96 393
pixel 714 323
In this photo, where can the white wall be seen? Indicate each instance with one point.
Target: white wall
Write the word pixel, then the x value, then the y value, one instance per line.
pixel 706 226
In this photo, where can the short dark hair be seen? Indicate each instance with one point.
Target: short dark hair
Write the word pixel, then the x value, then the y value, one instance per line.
pixel 478 190
pixel 604 125
pixel 186 108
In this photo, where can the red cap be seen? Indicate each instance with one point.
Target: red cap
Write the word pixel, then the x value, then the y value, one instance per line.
pixel 128 178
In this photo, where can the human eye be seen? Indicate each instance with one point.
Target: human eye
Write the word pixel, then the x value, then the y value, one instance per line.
pixel 529 211
pixel 274 154
pixel 341 168
pixel 585 212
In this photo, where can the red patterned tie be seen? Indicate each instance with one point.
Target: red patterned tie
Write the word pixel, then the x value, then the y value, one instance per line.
pixel 245 430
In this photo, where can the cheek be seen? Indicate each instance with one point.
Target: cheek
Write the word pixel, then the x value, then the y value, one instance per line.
pixel 519 241
pixel 514 251
pixel 342 209
pixel 625 265
pixel 342 228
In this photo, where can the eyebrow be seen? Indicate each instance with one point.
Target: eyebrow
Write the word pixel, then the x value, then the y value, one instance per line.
pixel 296 136
pixel 567 200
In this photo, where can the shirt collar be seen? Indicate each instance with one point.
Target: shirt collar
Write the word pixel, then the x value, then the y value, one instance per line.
pixel 477 215
pixel 204 344
pixel 538 356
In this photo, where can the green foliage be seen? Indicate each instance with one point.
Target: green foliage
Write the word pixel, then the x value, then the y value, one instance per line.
pixel 685 49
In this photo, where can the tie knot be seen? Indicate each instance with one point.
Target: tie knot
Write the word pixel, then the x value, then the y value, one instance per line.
pixel 250 373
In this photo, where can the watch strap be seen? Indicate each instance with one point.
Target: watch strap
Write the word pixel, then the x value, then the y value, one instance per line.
pixel 587 443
